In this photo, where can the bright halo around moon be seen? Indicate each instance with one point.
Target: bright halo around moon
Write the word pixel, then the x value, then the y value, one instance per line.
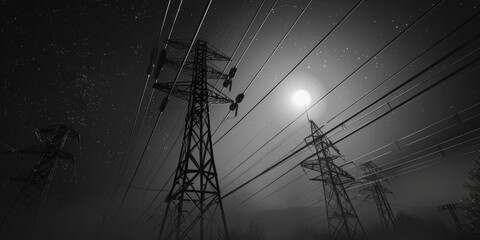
pixel 301 98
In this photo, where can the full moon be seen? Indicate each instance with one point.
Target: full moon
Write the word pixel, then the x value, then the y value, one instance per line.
pixel 301 98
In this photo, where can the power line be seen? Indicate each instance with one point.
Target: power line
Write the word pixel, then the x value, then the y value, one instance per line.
pixel 165 102
pixel 295 67
pixel 241 39
pixel 407 65
pixel 399 146
pixel 428 126
pixel 163 187
pixel 415 141
pixel 149 72
pixel 243 54
pixel 258 161
pixel 356 130
pixel 389 78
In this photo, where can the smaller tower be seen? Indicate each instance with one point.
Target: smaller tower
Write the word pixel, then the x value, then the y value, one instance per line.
pixel 376 191
pixel 23 212
pixel 343 222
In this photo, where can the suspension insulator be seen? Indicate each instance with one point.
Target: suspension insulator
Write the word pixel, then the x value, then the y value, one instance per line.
pixel 153 56
pixel 233 106
pixel 156 73
pixel 227 82
pixel 163 105
pixel 239 98
pixel 232 72
pixel 162 58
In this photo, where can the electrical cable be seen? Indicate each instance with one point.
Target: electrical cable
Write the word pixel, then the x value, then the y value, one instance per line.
pixel 391 76
pixel 163 187
pixel 147 79
pixel 164 103
pixel 241 40
pixel 442 151
pixel 263 66
pixel 404 67
pixel 279 144
pixel 397 142
pixel 248 143
pixel 241 57
pixel 356 130
pixel 415 141
pixel 143 195
pixel 419 168
pixel 276 85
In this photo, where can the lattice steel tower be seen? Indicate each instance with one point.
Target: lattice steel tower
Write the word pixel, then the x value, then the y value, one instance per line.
pixel 37 181
pixel 343 222
pixel 194 204
pixel 376 191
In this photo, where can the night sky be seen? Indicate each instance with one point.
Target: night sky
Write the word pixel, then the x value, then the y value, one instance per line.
pixel 82 63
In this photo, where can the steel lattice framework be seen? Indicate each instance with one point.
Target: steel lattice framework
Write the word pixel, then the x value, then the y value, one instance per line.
pixel 194 205
pixel 37 181
pixel 376 191
pixel 343 222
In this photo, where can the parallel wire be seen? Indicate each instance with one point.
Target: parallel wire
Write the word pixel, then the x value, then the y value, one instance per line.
pixel 259 160
pixel 166 101
pixel 341 124
pixel 238 45
pixel 397 72
pixel 156 80
pixel 161 164
pixel 147 79
pixel 397 142
pixel 266 62
pixel 241 41
pixel 276 47
pixel 295 67
pixel 365 176
pixel 345 79
pixel 163 187
pixel 243 54
pixel 356 130
pixel 412 142
pixel 409 64
pixel 389 78
pixel 416 132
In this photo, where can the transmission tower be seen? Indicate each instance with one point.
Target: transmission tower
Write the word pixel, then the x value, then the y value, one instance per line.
pixel 37 181
pixel 194 204
pixel 376 191
pixel 451 208
pixel 343 222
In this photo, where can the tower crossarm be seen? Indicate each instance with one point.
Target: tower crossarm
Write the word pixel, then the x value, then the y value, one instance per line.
pixel 182 90
pixel 212 72
pixel 211 53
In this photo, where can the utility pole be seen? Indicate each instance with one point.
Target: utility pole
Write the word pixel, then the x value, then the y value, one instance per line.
pixel 343 222
pixel 194 205
pixel 37 181
pixel 451 208
pixel 376 191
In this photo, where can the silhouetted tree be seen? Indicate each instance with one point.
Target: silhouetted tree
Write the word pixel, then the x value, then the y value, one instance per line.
pixel 471 205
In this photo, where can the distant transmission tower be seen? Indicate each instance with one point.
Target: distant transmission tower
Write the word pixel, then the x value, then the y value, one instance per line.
pixel 343 222
pixel 451 208
pixel 376 191
pixel 194 204
pixel 37 181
